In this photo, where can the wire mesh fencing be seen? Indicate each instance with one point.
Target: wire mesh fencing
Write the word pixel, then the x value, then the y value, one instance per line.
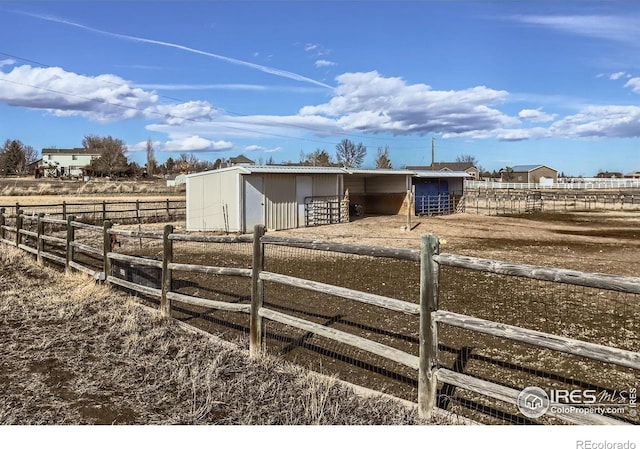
pixel 392 278
pixel 189 277
pixel 592 315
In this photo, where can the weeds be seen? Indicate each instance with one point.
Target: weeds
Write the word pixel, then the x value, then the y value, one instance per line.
pixel 73 352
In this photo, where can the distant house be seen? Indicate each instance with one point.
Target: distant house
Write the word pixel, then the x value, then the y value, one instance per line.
pixel 241 160
pixel 531 174
pixel 633 175
pixel 466 167
pixel 609 175
pixel 66 162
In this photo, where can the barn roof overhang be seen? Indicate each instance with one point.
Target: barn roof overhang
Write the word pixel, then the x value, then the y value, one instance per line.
pixel 441 174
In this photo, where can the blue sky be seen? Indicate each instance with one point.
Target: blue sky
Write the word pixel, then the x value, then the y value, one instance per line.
pixel 511 83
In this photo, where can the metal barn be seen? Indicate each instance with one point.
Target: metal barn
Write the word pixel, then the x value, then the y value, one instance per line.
pixel 237 198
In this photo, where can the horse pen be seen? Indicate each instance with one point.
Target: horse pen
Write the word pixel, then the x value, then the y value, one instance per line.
pixel 461 333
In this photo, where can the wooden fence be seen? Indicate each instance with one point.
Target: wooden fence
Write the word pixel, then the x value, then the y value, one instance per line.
pixel 97 212
pixel 428 371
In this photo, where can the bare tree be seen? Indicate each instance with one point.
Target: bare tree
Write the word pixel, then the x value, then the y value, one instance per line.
pixel 317 158
pixel 382 159
pixel 112 160
pixel 467 158
pixel 152 164
pixel 349 154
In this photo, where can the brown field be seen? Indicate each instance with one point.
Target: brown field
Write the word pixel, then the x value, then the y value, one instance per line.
pixel 48 191
pixel 604 242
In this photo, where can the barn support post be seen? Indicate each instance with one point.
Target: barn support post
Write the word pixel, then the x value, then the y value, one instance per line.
pixel 106 247
pixel 257 293
pixel 19 220
pixel 428 361
pixel 2 223
pixel 409 211
pixel 71 236
pixel 39 241
pixel 167 258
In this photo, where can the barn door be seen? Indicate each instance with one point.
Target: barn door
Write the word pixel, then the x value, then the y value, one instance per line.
pixel 253 202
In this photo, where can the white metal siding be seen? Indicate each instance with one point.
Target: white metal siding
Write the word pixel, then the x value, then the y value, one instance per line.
pixel 280 201
pixel 354 184
pixel 206 196
pixel 387 184
pixel 325 185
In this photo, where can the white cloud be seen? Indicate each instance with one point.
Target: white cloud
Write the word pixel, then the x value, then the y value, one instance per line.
pixel 324 63
pixel 195 144
pixel 616 28
pixel 536 115
pixel 617 75
pixel 178 114
pixel 251 148
pixel 600 121
pixel 310 47
pixel 4 62
pixel 103 98
pixel 368 102
pixel 634 84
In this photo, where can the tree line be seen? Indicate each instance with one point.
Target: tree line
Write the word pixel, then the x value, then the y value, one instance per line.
pixel 348 154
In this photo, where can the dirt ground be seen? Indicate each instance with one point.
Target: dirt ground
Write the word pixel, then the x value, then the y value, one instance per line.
pixel 606 242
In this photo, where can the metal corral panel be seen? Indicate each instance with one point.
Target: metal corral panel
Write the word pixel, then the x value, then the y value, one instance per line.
pixel 280 201
pixel 212 202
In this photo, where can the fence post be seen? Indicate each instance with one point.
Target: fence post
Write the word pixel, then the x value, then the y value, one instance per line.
pixel 71 236
pixel 64 210
pixel 168 210
pixel 138 211
pixel 2 223
pixel 19 220
pixel 104 211
pixel 257 293
pixel 39 241
pixel 167 258
pixel 106 247
pixel 428 363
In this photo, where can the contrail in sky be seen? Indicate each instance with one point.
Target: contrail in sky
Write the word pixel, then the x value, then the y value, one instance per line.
pixel 262 68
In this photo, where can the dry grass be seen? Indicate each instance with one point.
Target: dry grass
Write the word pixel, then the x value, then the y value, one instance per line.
pixel 73 352
pixel 21 187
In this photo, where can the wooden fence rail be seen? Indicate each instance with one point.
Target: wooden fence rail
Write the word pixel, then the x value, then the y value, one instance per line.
pixel 105 210
pixel 429 373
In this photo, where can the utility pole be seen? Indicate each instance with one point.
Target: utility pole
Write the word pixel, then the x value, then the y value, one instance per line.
pixel 433 153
